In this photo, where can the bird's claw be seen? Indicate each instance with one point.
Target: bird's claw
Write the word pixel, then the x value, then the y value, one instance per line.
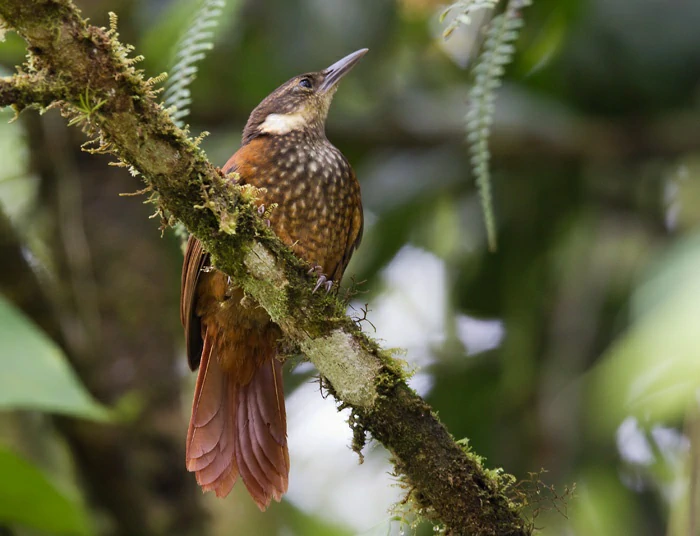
pixel 261 213
pixel 323 281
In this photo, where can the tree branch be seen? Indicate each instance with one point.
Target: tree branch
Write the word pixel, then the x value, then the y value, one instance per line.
pixel 88 69
pixel 22 90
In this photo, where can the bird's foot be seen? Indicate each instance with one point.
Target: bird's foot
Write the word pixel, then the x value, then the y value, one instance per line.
pixel 322 281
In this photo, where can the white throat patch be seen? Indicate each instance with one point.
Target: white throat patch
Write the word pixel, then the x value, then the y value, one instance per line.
pixel 282 123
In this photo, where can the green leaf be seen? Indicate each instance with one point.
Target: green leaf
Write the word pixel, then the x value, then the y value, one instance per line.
pixel 28 498
pixel 35 373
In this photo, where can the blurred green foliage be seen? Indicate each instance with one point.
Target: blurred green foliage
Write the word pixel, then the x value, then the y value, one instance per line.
pixel 29 499
pixel 632 378
pixel 36 375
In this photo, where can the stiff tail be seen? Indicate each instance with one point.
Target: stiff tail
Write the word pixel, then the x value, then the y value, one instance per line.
pixel 239 430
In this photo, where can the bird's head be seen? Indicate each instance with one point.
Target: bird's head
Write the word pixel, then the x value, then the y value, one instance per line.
pixel 301 103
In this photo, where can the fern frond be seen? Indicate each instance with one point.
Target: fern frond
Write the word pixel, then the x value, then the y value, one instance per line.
pixel 496 53
pixel 464 9
pixel 191 49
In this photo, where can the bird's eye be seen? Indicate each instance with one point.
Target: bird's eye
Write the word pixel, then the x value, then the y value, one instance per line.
pixel 305 83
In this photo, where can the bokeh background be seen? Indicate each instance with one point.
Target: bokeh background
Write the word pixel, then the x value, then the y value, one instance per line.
pixel 574 348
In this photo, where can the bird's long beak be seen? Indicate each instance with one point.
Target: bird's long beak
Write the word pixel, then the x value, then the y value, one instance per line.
pixel 340 68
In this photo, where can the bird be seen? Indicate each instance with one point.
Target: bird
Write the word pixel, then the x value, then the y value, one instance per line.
pixel 238 425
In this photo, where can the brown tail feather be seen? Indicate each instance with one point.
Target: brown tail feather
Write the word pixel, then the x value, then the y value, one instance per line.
pixel 209 450
pixel 239 428
pixel 206 424
pixel 261 447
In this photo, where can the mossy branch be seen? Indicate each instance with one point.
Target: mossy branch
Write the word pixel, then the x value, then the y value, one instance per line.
pixel 90 72
pixel 22 90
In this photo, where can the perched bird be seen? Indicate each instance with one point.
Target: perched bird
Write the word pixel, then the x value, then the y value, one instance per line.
pixel 238 424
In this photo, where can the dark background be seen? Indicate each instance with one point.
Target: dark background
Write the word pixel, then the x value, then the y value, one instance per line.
pixel 574 348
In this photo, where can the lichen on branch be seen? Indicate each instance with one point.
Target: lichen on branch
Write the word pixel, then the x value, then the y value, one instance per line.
pixel 90 72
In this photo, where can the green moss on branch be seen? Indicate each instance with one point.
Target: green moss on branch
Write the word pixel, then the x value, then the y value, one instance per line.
pixel 21 91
